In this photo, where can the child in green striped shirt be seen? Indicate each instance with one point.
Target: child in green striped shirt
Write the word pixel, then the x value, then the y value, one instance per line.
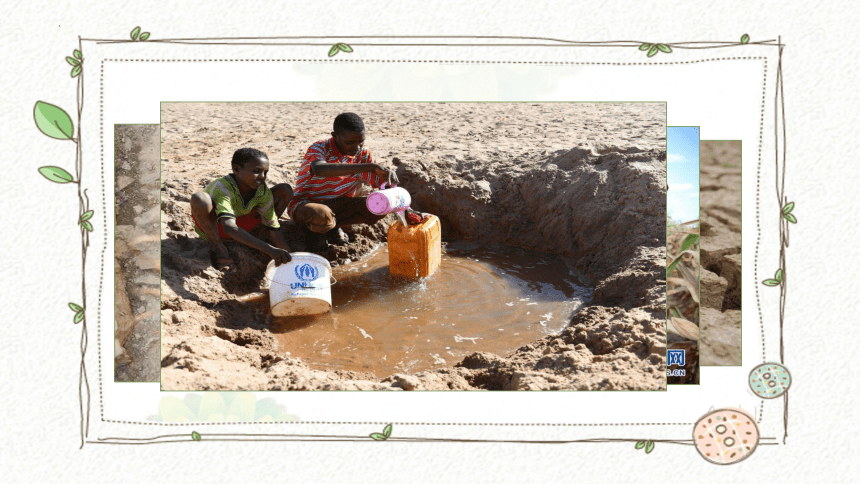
pixel 232 206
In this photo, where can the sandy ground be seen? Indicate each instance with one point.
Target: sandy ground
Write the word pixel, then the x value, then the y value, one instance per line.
pixel 720 212
pixel 584 181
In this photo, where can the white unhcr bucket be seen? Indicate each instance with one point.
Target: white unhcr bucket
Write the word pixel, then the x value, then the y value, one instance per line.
pixel 300 287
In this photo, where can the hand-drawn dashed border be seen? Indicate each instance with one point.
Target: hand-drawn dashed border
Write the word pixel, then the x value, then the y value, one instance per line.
pixel 397 61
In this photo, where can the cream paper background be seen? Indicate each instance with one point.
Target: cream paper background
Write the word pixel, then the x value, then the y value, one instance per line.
pixel 41 270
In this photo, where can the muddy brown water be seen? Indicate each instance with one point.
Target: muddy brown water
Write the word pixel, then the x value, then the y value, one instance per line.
pixel 483 298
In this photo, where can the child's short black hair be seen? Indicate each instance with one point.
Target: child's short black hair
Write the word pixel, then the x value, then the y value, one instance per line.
pixel 244 155
pixel 348 122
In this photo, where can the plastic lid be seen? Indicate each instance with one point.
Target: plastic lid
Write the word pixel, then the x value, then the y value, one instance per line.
pixel 378 203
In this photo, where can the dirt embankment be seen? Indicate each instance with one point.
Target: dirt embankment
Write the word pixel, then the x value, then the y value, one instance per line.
pixel 136 267
pixel 597 200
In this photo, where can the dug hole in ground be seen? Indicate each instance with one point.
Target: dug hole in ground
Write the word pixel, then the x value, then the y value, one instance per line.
pixel 586 182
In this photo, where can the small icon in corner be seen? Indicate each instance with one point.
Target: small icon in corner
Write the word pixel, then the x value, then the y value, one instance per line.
pixel 677 357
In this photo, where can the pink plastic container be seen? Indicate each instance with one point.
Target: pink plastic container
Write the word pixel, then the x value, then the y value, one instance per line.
pixel 389 200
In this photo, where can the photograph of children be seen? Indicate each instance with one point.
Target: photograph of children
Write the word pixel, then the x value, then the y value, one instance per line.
pixel 533 237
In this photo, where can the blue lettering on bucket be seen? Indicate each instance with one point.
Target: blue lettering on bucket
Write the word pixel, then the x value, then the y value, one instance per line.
pixel 302 285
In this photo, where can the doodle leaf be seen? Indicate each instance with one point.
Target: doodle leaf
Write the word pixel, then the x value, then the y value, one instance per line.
pixel 789 217
pixel 334 50
pixel 78 54
pixel 653 51
pixel 640 444
pixel 377 436
pixel 144 36
pixel 87 215
pixel 55 174
pixel 52 121
pixel 664 48
pixel 76 71
pixel 387 431
pixel 645 46
pixel 649 447
pixel 196 436
pixel 79 317
pixel 72 61
pixel 745 38
pixel 344 47
pixel 134 33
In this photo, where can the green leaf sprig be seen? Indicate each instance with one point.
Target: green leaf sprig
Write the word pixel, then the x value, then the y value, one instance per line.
pixel 84 221
pixel 337 48
pixel 654 48
pixel 76 60
pixel 196 436
pixel 786 213
pixel 136 35
pixel 386 433
pixel 777 279
pixel 79 312
pixel 648 445
pixel 745 38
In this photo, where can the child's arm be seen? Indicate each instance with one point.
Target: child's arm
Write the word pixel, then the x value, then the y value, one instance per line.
pixel 324 169
pixel 279 254
pixel 280 241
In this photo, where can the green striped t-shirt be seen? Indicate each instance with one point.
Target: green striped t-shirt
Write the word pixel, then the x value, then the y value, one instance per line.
pixel 228 201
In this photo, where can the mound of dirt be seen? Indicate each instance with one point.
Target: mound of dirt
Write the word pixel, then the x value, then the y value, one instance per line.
pixel 596 200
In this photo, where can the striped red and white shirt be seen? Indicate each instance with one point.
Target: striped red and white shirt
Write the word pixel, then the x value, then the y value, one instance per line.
pixel 311 188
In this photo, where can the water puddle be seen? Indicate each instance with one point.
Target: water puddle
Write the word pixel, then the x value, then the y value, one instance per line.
pixel 482 298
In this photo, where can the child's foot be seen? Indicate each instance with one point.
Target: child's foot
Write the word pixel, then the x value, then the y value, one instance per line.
pixel 337 236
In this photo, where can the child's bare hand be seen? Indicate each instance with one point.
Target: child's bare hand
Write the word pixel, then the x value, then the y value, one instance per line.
pixel 280 256
pixel 386 174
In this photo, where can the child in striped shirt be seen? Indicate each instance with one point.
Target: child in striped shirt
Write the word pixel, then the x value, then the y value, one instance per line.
pixel 329 175
pixel 232 206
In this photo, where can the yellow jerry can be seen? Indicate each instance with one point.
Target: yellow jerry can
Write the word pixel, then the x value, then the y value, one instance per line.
pixel 416 250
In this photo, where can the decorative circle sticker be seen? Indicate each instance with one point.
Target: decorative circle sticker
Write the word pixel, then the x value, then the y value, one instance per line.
pixel 770 380
pixel 726 436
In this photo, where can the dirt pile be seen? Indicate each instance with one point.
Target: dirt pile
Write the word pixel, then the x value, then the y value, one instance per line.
pixel 596 206
pixel 599 203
